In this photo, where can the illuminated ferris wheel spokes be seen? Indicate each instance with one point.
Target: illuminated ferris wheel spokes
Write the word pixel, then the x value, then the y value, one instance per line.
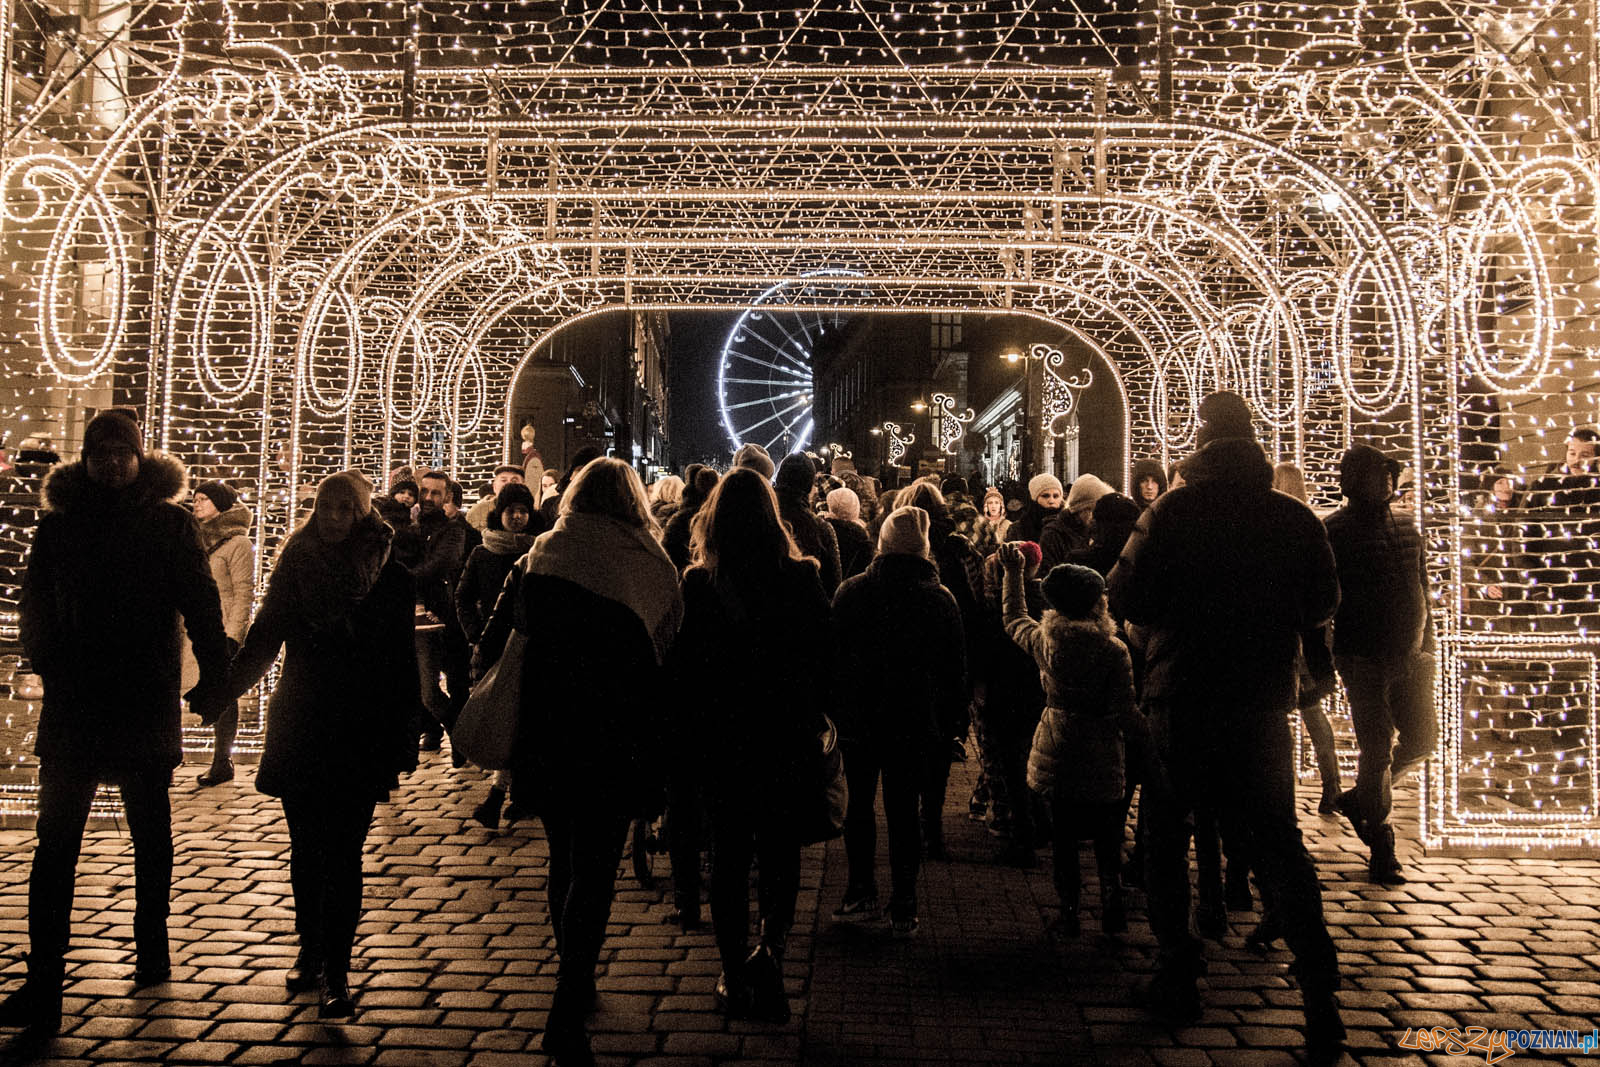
pixel 764 377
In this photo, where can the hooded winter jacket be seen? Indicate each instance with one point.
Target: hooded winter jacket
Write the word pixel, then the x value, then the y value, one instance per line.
pixel 110 575
pixel 1088 683
pixel 226 540
pixel 1224 574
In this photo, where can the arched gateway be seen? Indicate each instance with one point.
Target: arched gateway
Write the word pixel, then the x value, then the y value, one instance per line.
pixel 299 236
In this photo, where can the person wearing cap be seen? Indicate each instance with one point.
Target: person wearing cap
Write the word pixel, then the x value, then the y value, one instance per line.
pixel 989 532
pixel 504 475
pixel 894 723
pixel 1077 753
pixel 1045 500
pixel 855 544
pixel 1225 574
pixel 1068 532
pixel 116 563
pixel 225 534
pixel 342 720
pixel 1383 647
pixel 756 458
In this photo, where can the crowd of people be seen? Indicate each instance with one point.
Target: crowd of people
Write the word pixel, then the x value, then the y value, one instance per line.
pixel 1090 645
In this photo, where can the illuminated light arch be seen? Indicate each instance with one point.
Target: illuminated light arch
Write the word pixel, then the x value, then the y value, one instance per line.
pixel 1346 237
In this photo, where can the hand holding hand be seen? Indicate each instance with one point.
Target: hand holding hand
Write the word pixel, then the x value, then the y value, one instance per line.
pixel 206 701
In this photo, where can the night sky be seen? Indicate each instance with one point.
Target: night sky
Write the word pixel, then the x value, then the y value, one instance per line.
pixel 694 433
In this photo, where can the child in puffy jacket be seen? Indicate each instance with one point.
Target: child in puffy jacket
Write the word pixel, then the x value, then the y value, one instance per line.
pixel 1078 752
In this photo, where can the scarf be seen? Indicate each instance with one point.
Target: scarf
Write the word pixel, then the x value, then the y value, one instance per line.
pixel 617 561
pixel 506 543
pixel 327 582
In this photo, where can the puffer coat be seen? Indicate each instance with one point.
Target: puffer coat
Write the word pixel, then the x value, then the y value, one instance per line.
pixel 1087 677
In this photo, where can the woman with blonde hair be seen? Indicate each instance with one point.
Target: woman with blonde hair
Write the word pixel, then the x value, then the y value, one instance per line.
pixel 665 496
pixel 598 598
pixel 754 609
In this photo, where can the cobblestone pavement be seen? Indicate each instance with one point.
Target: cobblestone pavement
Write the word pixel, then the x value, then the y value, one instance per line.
pixel 455 963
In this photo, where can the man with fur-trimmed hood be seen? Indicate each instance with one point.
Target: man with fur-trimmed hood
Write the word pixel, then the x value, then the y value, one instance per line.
pixel 115 564
pixel 1225 574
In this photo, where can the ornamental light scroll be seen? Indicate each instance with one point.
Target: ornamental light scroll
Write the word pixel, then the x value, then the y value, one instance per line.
pixel 1060 392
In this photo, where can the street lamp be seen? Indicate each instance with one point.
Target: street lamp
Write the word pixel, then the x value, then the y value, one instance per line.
pixel 1014 356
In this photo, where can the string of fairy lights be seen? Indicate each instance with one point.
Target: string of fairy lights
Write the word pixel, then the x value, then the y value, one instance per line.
pixel 306 243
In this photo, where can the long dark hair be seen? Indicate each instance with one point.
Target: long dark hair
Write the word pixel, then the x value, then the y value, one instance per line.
pixel 737 531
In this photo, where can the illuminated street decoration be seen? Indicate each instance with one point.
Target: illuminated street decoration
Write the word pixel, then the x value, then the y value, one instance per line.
pixel 948 427
pixel 899 441
pixel 301 244
pixel 1060 393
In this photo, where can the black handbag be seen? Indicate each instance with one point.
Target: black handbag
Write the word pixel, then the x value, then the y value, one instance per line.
pixel 825 795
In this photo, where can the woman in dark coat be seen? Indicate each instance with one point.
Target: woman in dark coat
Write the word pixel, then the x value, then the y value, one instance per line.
pixel 601 604
pixel 893 719
pixel 961 572
pixel 754 611
pixel 342 722
pixel 504 542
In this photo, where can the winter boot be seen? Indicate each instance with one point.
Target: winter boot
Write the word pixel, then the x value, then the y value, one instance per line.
pixel 488 813
pixel 1384 868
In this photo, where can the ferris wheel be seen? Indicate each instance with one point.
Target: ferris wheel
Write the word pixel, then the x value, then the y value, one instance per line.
pixel 764 374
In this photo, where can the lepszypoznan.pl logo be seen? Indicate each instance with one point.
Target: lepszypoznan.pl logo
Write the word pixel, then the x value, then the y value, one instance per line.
pixel 1496 1045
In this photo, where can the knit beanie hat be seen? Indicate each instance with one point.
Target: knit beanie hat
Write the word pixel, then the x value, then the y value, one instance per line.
pixel 512 494
pixel 1032 554
pixel 1115 510
pixel 1363 474
pixel 796 474
pixel 1085 491
pixel 405 485
pixel 1040 482
pixel 350 485
pixel 113 426
pixel 904 532
pixel 222 498
pixel 998 495
pixel 756 458
pixel 1073 590
pixel 1223 415
pixel 844 504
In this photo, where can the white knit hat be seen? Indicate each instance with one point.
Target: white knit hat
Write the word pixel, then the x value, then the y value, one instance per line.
pixel 844 504
pixel 904 532
pixel 1086 490
pixel 1040 482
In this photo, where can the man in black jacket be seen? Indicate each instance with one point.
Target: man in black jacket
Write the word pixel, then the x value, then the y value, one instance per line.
pixel 1382 646
pixel 115 564
pixel 1224 575
pixel 435 548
